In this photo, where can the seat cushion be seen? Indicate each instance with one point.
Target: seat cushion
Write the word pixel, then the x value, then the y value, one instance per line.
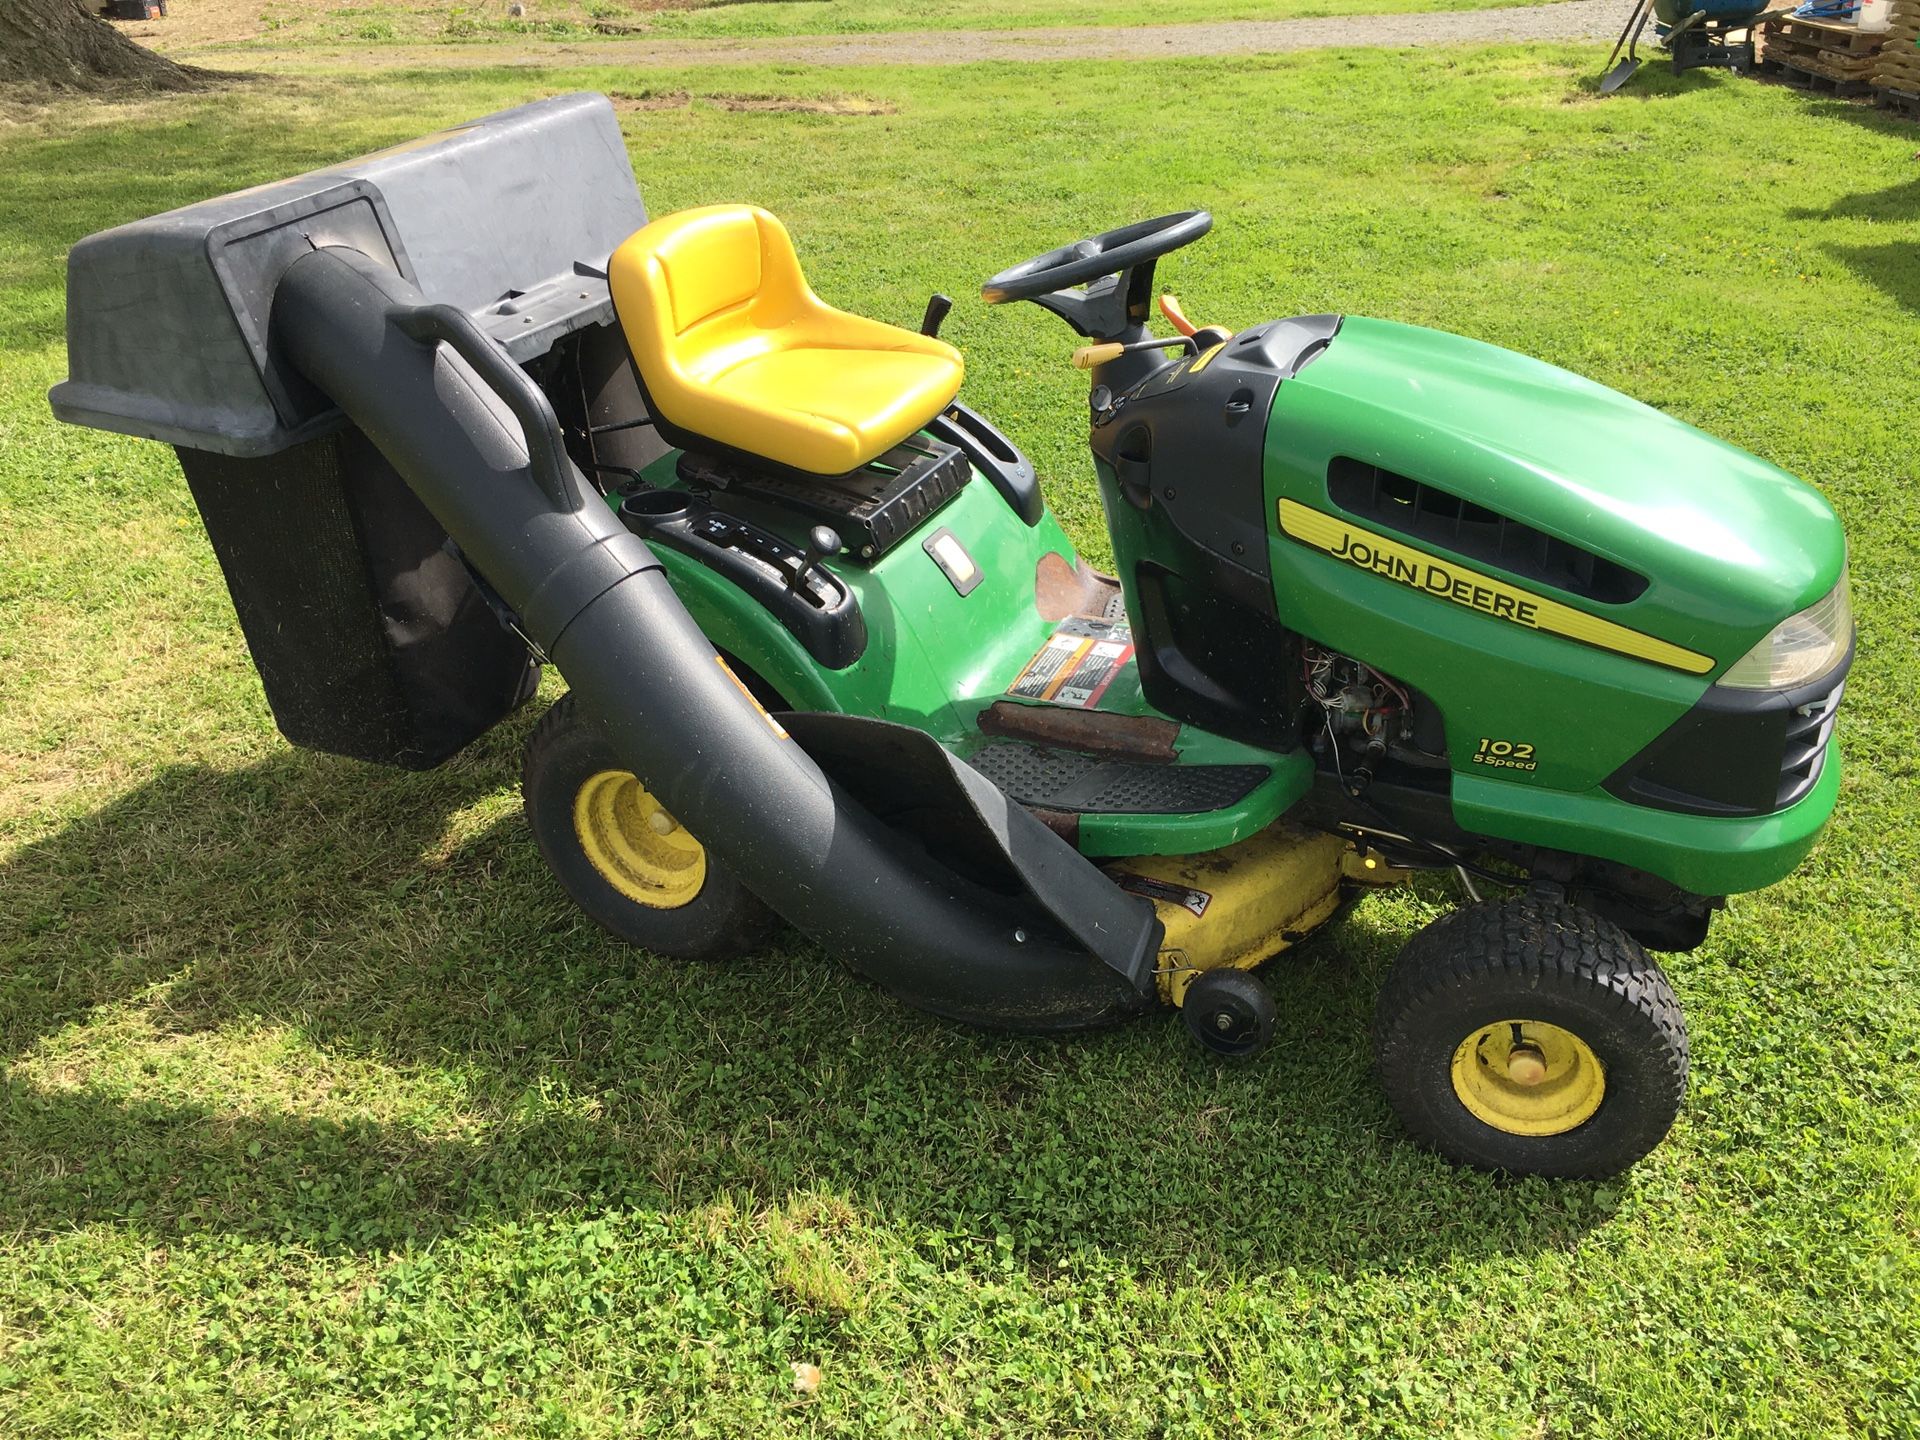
pixel 827 411
pixel 733 347
pixel 712 266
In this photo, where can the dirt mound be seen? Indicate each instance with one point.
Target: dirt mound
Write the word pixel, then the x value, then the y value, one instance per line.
pixel 772 104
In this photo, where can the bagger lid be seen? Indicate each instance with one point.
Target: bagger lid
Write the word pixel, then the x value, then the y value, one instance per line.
pixel 510 217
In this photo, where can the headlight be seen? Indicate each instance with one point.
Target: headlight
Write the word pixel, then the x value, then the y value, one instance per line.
pixel 1800 648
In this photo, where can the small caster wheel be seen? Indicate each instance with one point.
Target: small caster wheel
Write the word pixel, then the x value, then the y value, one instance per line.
pixel 1229 1012
pixel 628 863
pixel 1531 1037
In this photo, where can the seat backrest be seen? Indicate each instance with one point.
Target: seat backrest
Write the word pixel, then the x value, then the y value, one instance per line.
pixel 699 278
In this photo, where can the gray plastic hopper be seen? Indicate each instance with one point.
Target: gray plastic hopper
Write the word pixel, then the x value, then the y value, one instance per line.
pixel 511 218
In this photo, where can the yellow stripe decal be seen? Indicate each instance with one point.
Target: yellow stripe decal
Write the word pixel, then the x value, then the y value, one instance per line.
pixel 1207 359
pixel 1450 580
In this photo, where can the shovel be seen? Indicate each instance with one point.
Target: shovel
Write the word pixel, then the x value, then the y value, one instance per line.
pixel 1629 38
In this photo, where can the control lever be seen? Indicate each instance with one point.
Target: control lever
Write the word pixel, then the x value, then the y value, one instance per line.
pixel 937 308
pixel 1089 356
pixel 1204 337
pixel 1176 317
pixel 822 541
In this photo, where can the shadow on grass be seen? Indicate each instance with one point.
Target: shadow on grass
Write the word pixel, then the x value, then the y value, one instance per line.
pixel 491 1055
pixel 1654 80
pixel 1893 268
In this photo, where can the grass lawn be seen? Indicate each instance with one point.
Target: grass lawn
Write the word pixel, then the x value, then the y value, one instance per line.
pixel 324 1115
pixel 281 23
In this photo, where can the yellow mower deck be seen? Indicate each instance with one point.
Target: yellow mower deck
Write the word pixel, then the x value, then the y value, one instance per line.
pixel 1244 904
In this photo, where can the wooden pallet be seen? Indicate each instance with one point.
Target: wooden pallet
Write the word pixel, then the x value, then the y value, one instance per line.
pixel 1896 69
pixel 1839 37
pixel 1897 101
pixel 1844 87
pixel 1834 64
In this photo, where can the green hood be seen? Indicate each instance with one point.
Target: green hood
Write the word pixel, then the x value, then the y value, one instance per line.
pixel 1730 544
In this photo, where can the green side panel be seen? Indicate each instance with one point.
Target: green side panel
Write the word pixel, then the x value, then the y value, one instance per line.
pixel 935 659
pixel 1706 855
pixel 1586 712
pixel 749 634
pixel 1729 544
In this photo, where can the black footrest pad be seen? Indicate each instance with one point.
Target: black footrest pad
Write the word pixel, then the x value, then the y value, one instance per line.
pixel 1068 780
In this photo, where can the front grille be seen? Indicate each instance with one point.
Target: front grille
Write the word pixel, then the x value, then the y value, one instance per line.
pixel 1738 752
pixel 1809 728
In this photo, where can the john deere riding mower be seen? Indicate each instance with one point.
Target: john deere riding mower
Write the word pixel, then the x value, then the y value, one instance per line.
pixel 1384 600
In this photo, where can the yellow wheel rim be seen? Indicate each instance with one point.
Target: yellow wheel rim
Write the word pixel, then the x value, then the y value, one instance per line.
pixel 1526 1077
pixel 634 844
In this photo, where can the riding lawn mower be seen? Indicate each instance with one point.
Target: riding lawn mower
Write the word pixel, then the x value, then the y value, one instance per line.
pixel 1384 600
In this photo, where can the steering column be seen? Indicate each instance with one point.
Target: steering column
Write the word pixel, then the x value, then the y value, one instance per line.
pixel 1103 287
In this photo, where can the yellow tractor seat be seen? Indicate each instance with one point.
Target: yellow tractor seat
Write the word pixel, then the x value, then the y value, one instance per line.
pixel 733 347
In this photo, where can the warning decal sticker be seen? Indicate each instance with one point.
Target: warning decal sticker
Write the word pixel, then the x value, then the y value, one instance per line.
pixel 1194 900
pixel 1077 663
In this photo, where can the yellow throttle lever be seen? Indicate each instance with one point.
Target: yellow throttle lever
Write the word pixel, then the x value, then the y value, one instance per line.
pixel 1088 356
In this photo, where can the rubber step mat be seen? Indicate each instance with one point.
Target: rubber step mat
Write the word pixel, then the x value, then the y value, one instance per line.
pixel 1085 784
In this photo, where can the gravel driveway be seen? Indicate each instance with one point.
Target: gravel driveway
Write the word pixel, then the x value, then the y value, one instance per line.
pixel 1574 20
pixel 1567 20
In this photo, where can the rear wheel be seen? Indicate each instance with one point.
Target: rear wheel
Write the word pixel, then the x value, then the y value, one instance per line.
pixel 1531 1037
pixel 625 860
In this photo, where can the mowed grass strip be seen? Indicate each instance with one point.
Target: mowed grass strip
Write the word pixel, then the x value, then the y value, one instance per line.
pixel 324 1114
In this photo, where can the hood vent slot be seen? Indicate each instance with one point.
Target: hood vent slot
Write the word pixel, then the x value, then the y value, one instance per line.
pixel 1425 512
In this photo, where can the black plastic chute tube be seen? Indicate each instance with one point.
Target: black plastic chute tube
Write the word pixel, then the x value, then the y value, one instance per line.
pixel 1071 950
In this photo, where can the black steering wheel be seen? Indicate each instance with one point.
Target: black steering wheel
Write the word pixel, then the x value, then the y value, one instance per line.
pixel 1106 254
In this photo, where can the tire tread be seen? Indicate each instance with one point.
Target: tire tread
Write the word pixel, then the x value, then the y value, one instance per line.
pixel 1557 949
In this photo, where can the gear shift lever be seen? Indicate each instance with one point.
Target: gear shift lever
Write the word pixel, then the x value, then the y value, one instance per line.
pixel 822 541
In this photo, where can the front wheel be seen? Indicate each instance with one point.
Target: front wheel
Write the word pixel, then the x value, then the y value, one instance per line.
pixel 627 862
pixel 1229 1012
pixel 1531 1037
